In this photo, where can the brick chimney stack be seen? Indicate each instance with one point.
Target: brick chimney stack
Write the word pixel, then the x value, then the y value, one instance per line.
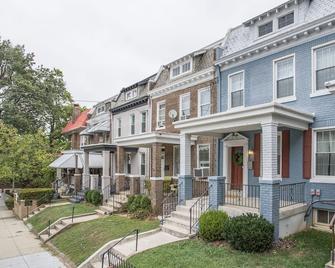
pixel 76 112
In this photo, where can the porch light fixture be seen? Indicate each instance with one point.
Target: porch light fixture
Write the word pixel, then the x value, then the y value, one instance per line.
pixel 330 85
pixel 251 155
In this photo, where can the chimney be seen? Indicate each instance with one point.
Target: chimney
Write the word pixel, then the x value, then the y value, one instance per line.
pixel 76 112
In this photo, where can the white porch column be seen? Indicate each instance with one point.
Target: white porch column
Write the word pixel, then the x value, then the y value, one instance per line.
pixel 270 184
pixel 86 172
pixel 185 178
pixel 105 179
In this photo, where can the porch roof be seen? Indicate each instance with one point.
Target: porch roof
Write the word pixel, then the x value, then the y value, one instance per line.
pixel 146 139
pixel 248 118
pixel 68 160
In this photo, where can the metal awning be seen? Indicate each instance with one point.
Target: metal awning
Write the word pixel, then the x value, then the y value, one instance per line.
pixel 100 127
pixel 68 160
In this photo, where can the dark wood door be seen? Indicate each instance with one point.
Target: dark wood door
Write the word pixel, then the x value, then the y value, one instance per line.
pixel 236 167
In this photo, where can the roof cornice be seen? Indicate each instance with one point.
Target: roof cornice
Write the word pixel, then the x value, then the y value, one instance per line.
pixel 130 105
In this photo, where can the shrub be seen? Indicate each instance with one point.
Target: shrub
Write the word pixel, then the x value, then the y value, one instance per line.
pixel 147 185
pixel 42 195
pixel 9 202
pixel 212 225
pixel 250 233
pixel 139 206
pixel 88 197
pixel 95 197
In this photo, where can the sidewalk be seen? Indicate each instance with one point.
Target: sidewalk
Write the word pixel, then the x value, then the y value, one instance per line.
pixel 20 248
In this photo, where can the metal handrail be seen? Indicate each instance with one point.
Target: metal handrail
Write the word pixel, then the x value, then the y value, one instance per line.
pixel 332 227
pixel 172 194
pixel 200 199
pixel 108 251
pixel 38 207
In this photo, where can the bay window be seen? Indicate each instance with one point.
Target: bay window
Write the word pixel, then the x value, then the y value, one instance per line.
pixel 204 102
pixel 236 89
pixel 325 153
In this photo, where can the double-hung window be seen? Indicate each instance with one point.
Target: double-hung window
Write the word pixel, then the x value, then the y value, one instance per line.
pixel 184 105
pixel 144 122
pixel 325 153
pixel 142 164
pixel 285 20
pixel 132 124
pixel 182 68
pixel 203 155
pixel 204 102
pixel 265 29
pixel 161 114
pixel 324 69
pixel 119 127
pixel 284 77
pixel 236 89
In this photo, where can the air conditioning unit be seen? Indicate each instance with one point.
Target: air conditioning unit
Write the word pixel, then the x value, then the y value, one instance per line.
pixel 161 123
pixel 330 85
pixel 184 117
pixel 201 172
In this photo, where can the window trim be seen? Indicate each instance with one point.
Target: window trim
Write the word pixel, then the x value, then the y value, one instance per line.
pixel 180 65
pixel 270 21
pixel 209 155
pixel 320 92
pixel 157 114
pixel 132 94
pixel 145 164
pixel 199 101
pixel 283 15
pixel 132 115
pixel 274 81
pixel 180 104
pixel 146 121
pixel 319 178
pixel 317 216
pixel 119 127
pixel 229 90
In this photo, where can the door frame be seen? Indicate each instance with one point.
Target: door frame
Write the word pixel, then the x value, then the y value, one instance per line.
pixel 228 143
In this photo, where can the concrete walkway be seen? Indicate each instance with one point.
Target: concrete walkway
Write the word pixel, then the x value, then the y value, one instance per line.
pixel 19 248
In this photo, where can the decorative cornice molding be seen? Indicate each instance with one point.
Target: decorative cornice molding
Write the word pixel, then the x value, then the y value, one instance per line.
pixel 130 105
pixel 185 82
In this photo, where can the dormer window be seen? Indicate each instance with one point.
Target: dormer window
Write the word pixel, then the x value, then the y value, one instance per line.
pixel 265 29
pixel 286 20
pixel 100 109
pixel 182 68
pixel 131 94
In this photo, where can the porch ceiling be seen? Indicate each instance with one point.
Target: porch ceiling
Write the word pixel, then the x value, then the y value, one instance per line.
pixel 249 118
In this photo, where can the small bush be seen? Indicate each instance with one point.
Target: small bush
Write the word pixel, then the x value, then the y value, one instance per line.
pixel 212 225
pixel 139 206
pixel 42 195
pixel 95 197
pixel 88 195
pixel 9 202
pixel 250 233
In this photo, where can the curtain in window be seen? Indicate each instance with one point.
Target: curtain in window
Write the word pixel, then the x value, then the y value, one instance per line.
pixel 325 153
pixel 325 66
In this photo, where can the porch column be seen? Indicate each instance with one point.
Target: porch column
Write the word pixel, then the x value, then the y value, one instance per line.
pixel 270 184
pixel 120 175
pixel 105 179
pixel 156 181
pixel 185 178
pixel 216 191
pixel 94 185
pixel 86 173
pixel 77 175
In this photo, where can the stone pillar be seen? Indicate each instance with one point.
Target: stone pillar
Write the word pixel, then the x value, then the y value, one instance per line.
pixel 270 184
pixel 94 181
pixel 135 185
pixel 120 175
pixel 105 179
pixel 86 172
pixel 216 191
pixel 156 180
pixel 185 179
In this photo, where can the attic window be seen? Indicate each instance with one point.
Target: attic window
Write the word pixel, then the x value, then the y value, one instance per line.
pixel 286 20
pixel 100 109
pixel 182 68
pixel 265 29
pixel 131 94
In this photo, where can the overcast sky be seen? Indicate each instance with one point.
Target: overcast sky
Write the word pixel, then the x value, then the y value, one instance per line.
pixel 104 45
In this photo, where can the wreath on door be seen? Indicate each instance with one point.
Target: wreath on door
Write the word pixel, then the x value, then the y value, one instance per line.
pixel 238 158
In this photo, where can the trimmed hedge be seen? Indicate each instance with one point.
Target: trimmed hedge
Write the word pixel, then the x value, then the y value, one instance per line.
pixel 212 225
pixel 139 206
pixel 42 195
pixel 249 233
pixel 94 197
pixel 9 202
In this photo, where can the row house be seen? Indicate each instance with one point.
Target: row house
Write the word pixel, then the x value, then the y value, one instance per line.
pixel 275 117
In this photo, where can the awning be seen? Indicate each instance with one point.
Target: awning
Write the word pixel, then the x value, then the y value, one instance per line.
pixel 100 127
pixel 68 160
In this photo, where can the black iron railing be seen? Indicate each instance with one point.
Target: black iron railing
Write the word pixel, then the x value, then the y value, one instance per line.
pixel 170 202
pixel 199 186
pixel 113 259
pixel 200 206
pixel 242 195
pixel 332 227
pixel 291 194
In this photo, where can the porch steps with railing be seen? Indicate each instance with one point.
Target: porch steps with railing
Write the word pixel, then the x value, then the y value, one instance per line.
pixel 178 224
pixel 114 203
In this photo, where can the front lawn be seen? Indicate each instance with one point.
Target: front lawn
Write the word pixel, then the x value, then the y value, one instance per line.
pixel 311 249
pixel 83 239
pixel 41 220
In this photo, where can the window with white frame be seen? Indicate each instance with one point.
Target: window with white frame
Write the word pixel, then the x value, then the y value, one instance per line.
pixel 131 94
pixel 144 122
pixel 119 127
pixel 285 20
pixel 161 114
pixel 204 102
pixel 132 124
pixel 100 109
pixel 324 66
pixel 265 29
pixel 236 89
pixel 182 68
pixel 203 155
pixel 284 77
pixel 324 216
pixel 325 153
pixel 185 110
pixel 142 164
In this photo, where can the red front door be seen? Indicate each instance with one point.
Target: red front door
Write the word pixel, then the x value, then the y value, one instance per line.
pixel 236 167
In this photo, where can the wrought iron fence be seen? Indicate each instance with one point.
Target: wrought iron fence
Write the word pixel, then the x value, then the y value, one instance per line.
pixel 245 195
pixel 170 202
pixel 291 194
pixel 199 186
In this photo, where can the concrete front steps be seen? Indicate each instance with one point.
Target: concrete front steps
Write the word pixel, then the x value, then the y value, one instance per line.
pixel 63 223
pixel 111 207
pixel 43 207
pixel 178 224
